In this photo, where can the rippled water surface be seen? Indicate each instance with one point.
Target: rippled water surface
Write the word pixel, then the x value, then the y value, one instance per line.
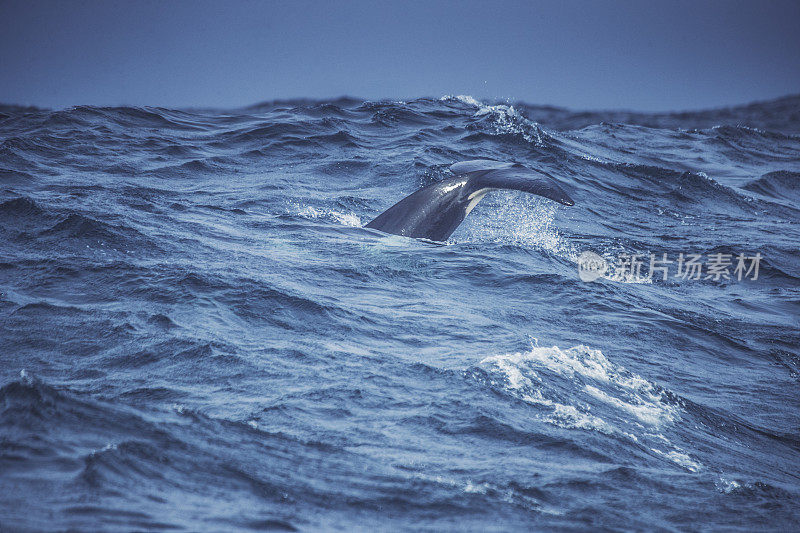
pixel 196 331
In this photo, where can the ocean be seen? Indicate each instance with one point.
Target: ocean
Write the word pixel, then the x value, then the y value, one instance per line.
pixel 197 332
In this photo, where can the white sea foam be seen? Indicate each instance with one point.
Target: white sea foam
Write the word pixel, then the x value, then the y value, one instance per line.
pixel 680 458
pixel 727 485
pixel 108 447
pixel 509 495
pixel 624 390
pixel 649 413
pixel 346 219
pixel 463 98
pixel 466 486
pixel 505 119
pixel 604 397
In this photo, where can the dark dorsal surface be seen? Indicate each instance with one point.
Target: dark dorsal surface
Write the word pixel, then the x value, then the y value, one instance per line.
pixel 434 212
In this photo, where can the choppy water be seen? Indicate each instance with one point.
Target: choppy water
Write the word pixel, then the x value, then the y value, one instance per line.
pixel 196 331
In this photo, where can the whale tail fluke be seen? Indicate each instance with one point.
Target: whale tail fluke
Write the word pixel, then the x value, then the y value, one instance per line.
pixel 434 212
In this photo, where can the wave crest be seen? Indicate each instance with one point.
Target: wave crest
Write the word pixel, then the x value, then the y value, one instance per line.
pixel 579 388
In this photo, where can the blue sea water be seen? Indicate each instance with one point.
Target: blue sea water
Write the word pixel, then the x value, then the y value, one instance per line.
pixel 198 333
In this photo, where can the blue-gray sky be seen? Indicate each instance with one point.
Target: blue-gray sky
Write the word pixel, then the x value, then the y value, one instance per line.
pixel 639 55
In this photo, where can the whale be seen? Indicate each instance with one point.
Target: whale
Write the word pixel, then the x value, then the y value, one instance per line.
pixel 435 211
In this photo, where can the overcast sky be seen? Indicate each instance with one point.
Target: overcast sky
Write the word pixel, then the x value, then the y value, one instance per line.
pixel 641 55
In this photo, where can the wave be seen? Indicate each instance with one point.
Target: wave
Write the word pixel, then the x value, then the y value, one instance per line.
pixel 502 120
pixel 154 117
pixel 79 226
pixel 780 185
pixel 780 115
pixel 579 388
pixel 21 207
